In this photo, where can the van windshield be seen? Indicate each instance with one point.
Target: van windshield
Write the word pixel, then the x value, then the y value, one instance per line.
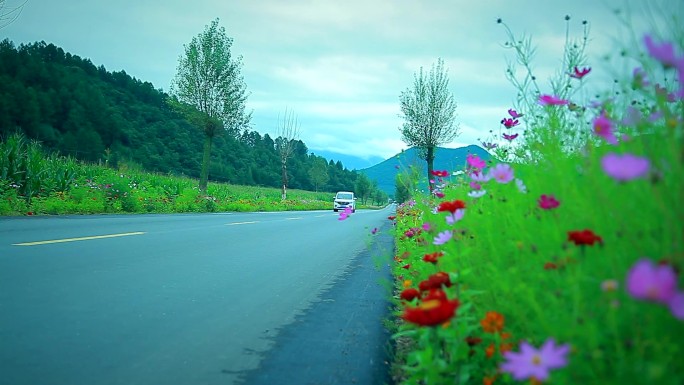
pixel 345 196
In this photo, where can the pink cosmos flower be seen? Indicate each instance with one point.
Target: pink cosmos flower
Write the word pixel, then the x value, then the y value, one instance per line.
pixel 475 162
pixel 625 167
pixel 514 114
pixel 409 233
pixel 475 186
pixel 510 137
pixel 345 214
pixel 509 122
pixel 426 226
pixel 551 100
pixel 443 237
pixel 530 362
pixel 548 202
pixel 454 217
pixel 438 193
pixel 502 172
pixel 580 74
pixel 664 52
pixel 604 127
pixel 649 281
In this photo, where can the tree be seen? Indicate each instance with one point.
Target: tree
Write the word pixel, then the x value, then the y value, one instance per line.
pixel 288 133
pixel 209 80
pixel 429 111
pixel 363 187
pixel 318 172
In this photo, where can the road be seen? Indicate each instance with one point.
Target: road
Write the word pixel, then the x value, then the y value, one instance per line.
pixel 162 299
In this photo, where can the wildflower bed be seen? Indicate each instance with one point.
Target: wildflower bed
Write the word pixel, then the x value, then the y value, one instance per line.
pixel 560 264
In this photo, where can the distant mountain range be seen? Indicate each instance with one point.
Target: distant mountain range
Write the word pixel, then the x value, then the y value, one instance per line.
pixel 350 162
pixel 450 159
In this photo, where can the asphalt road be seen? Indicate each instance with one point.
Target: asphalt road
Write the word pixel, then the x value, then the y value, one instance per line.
pixel 169 299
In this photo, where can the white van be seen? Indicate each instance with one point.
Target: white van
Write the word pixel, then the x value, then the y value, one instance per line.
pixel 344 199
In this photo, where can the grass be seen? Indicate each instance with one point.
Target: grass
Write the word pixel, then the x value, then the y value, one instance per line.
pixel 519 274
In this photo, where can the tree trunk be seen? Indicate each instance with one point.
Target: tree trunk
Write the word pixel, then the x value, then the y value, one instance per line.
pixel 430 159
pixel 284 168
pixel 206 158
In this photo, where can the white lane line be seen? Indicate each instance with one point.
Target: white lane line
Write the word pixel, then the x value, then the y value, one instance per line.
pixel 293 219
pixel 241 223
pixel 77 239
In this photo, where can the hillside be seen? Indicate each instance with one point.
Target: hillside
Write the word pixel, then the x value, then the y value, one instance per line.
pixel 76 108
pixel 450 159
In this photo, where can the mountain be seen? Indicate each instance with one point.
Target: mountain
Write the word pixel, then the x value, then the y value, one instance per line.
pixel 350 162
pixel 451 159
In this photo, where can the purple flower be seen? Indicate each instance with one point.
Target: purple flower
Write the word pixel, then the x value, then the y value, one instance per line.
pixel 604 127
pixel 531 362
pixel 489 145
pixel 514 114
pixel 677 305
pixel 374 231
pixel 510 137
pixel 443 237
pixel 502 172
pixel 649 281
pixel 475 162
pixel 454 217
pixel 509 122
pixel 480 177
pixel 624 167
pixel 345 214
pixel 551 100
pixel 664 52
pixel 475 186
pixel 438 193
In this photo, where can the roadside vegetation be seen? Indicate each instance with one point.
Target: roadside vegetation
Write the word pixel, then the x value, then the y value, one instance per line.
pixel 559 259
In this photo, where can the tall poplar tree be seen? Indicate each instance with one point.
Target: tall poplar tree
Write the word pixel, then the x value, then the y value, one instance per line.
pixel 208 78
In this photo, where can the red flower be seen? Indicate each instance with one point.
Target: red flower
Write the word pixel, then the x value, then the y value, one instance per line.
pixel 391 217
pixel 431 312
pixel 584 237
pixel 409 294
pixel 433 257
pixel 451 206
pixel 435 281
pixel 509 122
pixel 406 266
pixel 580 74
pixel 548 202
pixel 440 173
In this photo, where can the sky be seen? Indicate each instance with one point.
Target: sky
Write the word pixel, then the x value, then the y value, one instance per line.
pixel 340 66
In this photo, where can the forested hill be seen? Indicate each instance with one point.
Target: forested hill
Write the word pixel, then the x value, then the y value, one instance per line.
pixel 82 110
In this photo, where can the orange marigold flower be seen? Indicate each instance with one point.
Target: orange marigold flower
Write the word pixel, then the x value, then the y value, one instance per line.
pixel 493 322
pixel 489 352
pixel 505 347
pixel 407 283
pixel 488 380
pixel 432 257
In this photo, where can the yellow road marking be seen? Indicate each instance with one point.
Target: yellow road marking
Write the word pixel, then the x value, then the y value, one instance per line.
pixel 77 239
pixel 241 223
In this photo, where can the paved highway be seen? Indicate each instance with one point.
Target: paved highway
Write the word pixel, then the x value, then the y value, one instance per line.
pixel 162 299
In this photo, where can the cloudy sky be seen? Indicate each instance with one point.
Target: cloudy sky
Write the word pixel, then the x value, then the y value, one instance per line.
pixel 339 65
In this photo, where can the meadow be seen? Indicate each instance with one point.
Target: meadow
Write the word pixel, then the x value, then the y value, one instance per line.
pixel 559 260
pixel 33 182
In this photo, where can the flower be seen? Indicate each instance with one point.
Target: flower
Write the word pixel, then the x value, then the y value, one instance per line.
pixel 475 162
pixel 548 202
pixel 440 173
pixel 409 294
pixel 435 281
pixel 649 281
pixel 520 185
pixel 580 74
pixel 409 233
pixel 426 226
pixel 604 127
pixel 664 52
pixel 489 145
pixel 480 177
pixel 551 100
pixel 639 79
pixel 477 194
pixel 550 266
pixel 455 216
pixel 632 117
pixel 533 363
pixel 345 214
pixel 438 193
pixel 432 257
pixel 431 312
pixel 509 138
pixel 509 122
pixel 624 167
pixel 475 186
pixel 374 231
pixel 584 237
pixel 443 237
pixel 493 322
pixel 514 114
pixel 451 206
pixel 677 305
pixel 502 172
